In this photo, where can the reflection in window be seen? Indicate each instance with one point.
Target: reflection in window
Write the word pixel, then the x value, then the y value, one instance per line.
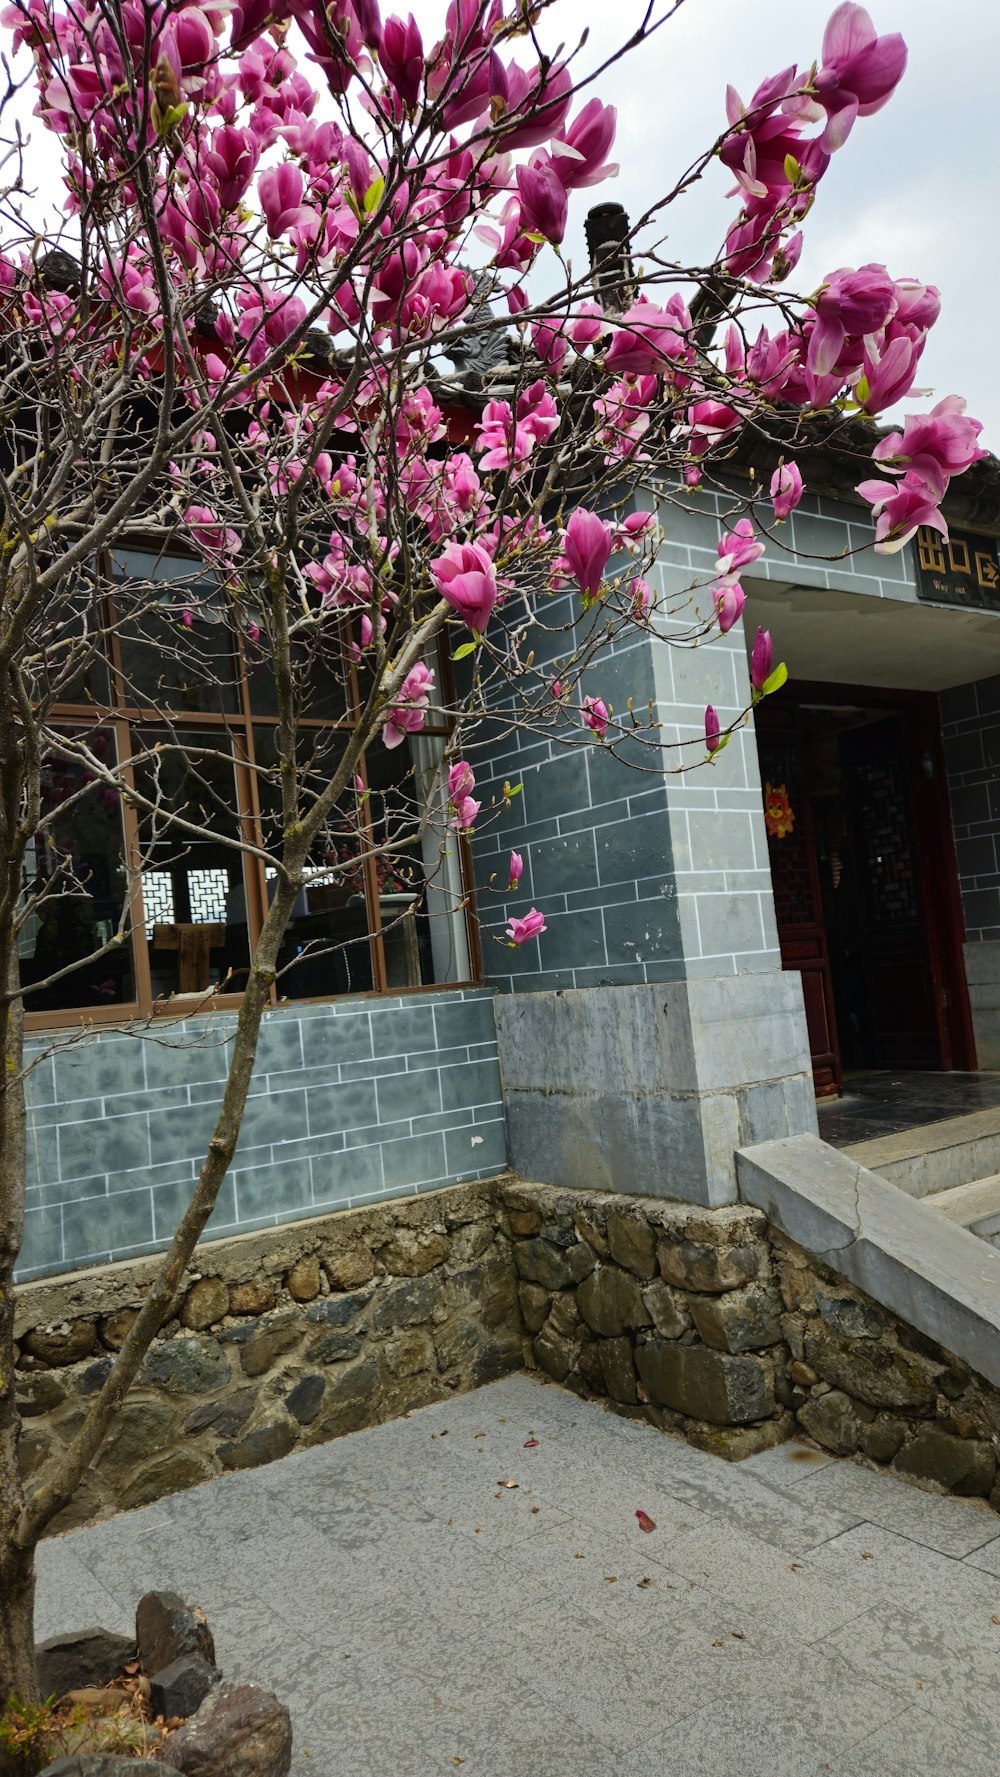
pixel 194 898
pixel 327 947
pixel 174 639
pixel 421 897
pixel 75 888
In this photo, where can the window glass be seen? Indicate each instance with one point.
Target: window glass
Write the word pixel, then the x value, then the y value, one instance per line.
pixel 420 892
pixel 193 885
pixel 76 642
pixel 327 947
pixel 321 676
pixel 75 888
pixel 175 643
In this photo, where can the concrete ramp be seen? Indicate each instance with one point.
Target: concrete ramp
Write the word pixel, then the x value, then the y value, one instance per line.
pixel 922 1265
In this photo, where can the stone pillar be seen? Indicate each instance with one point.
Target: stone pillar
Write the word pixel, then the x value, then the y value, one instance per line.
pixel 651 1028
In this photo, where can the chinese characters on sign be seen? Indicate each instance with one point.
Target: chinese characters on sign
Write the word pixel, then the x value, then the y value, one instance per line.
pixel 963 571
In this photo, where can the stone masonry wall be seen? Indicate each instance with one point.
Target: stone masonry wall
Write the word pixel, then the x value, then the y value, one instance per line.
pixel 705 1322
pixel 278 1341
pixel 712 1325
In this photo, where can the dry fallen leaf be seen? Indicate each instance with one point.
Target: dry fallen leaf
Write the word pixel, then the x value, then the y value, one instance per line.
pixel 507 1483
pixel 458 1761
pixel 737 1634
pixel 866 1555
pixel 611 1578
pixel 795 1566
pixel 577 1556
pixel 995 1619
pixel 642 1584
pixel 479 1434
pixel 717 1643
pixel 646 1523
pixel 536 1508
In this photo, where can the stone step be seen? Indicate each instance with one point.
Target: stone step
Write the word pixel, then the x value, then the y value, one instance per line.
pixel 935 1156
pixel 975 1206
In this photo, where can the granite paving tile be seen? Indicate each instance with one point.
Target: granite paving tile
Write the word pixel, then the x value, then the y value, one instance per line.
pixel 952 1526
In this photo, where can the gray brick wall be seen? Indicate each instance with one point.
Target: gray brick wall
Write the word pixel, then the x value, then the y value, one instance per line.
pixel 351 1102
pixel 643 875
pixel 970 725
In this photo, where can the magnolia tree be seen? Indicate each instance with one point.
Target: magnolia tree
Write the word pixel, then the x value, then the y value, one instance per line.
pixel 302 394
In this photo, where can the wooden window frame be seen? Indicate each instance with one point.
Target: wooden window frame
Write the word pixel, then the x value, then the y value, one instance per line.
pixel 127 720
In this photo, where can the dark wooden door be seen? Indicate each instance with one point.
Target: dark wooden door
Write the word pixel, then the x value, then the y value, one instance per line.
pixel 798 901
pixel 893 954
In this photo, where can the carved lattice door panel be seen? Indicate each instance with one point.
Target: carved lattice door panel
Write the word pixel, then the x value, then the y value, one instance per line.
pixel 797 899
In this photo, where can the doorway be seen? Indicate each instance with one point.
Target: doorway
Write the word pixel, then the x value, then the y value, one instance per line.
pixel 865 884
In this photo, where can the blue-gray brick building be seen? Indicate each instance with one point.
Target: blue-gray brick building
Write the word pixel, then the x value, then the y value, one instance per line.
pixel 721 945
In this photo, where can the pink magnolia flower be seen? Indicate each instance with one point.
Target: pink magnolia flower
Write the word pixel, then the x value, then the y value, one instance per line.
pixel 253 630
pixel 900 508
pixel 642 596
pixel 646 340
pixel 587 547
pixel 464 576
pixel 543 201
pixel 532 925
pixel 729 602
pixel 859 70
pixel 595 715
pixel 466 810
pixel 587 325
pixel 461 780
pixel 887 374
pixel 280 190
pixel 849 304
pixel 402 57
pixel 537 413
pixel 408 713
pixel 713 733
pixel 550 343
pixel 580 156
pixel 738 548
pixel 936 445
pixel 786 490
pixel 231 160
pixel 761 659
pixel 516 869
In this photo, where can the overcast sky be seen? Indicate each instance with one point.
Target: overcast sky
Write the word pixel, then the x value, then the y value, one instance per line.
pixel 914 188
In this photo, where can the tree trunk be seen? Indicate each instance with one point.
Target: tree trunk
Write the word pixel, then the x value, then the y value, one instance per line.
pixel 18 1676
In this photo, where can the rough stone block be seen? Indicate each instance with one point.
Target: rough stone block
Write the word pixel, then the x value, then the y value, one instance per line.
pixel 139 1428
pixel 962 1465
pixel 166 1628
pixel 413 1253
pixel 89 1657
pixel 853 1318
pixel 261 1345
pixel 305 1399
pixel 409 1353
pixel 265 1444
pixel 179 1689
pixel 667 1307
pixel 302 1282
pixel 734 1443
pixel 225 1417
pixel 236 1733
pixel 555 1353
pixel 534 1302
pixel 206 1302
pixel 738 1320
pixel 348 1267
pixel 830 1418
pixel 611 1301
pixel 705 1384
pixel 881 1375
pixel 407 1303
pixel 186 1366
pixel 252 1297
pixel 59 1345
pixel 618 1367
pixel 691 1265
pixel 883 1437
pixel 172 1472
pixel 632 1243
pixel 554 1267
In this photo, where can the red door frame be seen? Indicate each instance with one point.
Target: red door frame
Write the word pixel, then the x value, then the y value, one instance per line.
pixel 935 845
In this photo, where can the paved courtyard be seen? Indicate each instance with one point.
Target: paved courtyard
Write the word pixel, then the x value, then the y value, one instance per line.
pixel 793 1615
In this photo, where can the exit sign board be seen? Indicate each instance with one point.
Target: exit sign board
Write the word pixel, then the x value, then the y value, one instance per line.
pixel 963 571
